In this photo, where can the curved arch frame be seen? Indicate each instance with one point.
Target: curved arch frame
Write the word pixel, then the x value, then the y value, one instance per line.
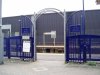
pixel 30 21
pixel 43 11
pixel 68 18
pixel 83 20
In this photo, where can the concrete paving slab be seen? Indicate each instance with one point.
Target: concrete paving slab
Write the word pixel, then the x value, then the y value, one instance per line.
pixel 46 67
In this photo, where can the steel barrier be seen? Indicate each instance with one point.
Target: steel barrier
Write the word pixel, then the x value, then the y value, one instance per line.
pixel 83 48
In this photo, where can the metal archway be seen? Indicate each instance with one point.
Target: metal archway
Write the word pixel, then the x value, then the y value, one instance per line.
pixel 43 11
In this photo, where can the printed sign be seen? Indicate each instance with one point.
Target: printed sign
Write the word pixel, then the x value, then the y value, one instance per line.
pixel 25 31
pixel 26 46
pixel 75 28
pixel 53 34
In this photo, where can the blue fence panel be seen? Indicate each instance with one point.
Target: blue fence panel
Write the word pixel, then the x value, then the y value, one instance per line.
pixel 14 47
pixel 74 52
pixel 82 48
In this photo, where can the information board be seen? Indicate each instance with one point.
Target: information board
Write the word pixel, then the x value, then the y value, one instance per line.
pixel 25 31
pixel 75 28
pixel 53 34
pixel 26 46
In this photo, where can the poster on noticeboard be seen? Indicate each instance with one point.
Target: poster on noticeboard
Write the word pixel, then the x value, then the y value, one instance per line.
pixel 26 46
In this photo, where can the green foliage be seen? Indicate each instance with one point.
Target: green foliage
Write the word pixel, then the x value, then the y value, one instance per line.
pixel 91 63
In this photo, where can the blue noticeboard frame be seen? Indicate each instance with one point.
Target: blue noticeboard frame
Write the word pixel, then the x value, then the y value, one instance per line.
pixel 75 28
pixel 25 31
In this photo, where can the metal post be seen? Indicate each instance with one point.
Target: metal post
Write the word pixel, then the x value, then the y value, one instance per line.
pixel 43 39
pixel 83 31
pixel 34 22
pixel 65 34
pixel 35 38
pixel 83 20
pixel 43 43
pixel 54 41
pixel 1 35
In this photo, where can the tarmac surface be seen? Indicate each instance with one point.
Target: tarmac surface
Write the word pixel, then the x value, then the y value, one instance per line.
pixel 47 64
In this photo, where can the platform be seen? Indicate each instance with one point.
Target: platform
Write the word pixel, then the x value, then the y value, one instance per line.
pixel 50 48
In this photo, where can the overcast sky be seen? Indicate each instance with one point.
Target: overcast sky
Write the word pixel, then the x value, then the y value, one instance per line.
pixel 25 7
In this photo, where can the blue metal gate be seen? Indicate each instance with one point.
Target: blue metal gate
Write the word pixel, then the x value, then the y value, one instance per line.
pixel 13 46
pixel 74 28
pixel 79 46
pixel 85 48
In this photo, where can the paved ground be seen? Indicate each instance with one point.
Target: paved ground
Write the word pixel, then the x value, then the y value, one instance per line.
pixel 47 64
pixel 50 57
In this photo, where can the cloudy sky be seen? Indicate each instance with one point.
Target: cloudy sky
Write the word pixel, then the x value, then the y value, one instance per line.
pixel 25 7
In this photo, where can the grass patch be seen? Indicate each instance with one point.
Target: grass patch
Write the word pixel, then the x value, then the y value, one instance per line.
pixel 91 63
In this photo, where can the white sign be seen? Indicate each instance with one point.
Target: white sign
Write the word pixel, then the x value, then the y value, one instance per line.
pixel 53 34
pixel 6 27
pixel 26 46
pixel 25 37
pixel 16 33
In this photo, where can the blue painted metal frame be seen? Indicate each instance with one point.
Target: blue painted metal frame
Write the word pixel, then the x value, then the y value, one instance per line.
pixel 25 23
pixel 74 21
pixel 13 47
pixel 75 40
pixel 82 48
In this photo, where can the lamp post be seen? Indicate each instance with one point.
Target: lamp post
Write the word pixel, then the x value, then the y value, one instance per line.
pixel 1 35
pixel 83 20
